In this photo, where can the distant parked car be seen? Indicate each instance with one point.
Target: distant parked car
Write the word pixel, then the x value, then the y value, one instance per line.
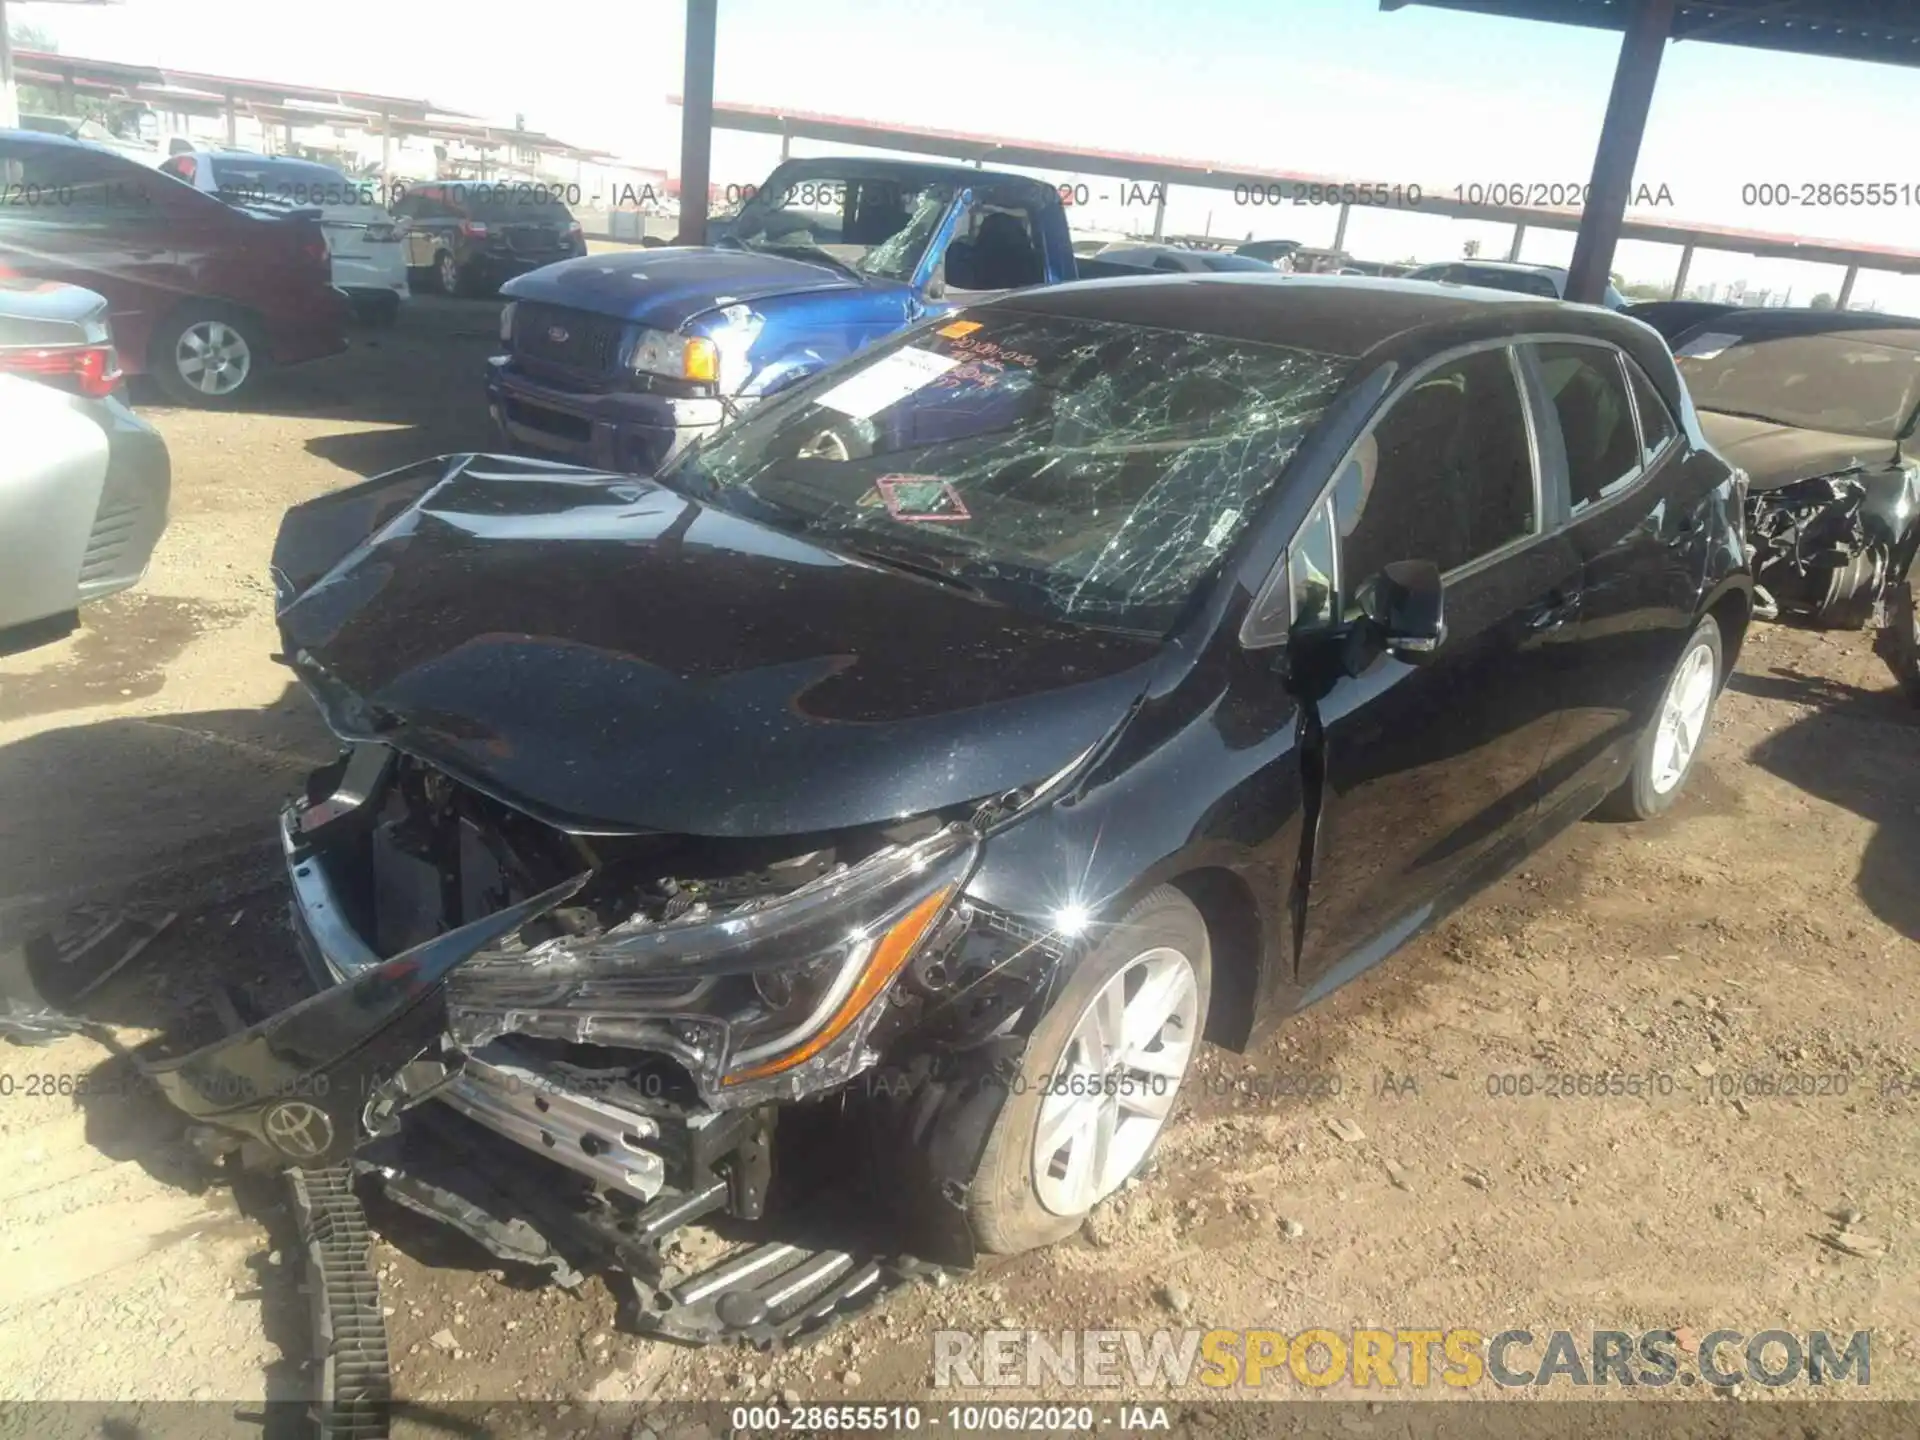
pixel 1546 280
pixel 1818 407
pixel 83 480
pixel 1271 251
pixel 368 250
pixel 1182 261
pixel 81 127
pixel 464 237
pixel 204 296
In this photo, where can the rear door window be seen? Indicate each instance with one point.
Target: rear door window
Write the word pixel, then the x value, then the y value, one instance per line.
pixel 1656 422
pixel 1588 390
pixel 1445 475
pixel 518 204
pixel 58 184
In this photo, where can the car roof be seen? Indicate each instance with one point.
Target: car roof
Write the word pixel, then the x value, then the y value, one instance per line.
pixel 1331 314
pixel 52 141
pixel 1517 266
pixel 1775 322
pixel 1376 319
pixel 873 165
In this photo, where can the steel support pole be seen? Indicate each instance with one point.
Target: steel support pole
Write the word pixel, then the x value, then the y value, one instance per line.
pixel 1641 47
pixel 696 121
pixel 1680 276
pixel 9 93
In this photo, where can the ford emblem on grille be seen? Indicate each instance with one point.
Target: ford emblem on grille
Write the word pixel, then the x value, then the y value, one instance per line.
pixel 557 334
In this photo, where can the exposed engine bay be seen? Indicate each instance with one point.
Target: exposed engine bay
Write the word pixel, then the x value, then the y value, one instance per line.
pixel 569 1046
pixel 1817 551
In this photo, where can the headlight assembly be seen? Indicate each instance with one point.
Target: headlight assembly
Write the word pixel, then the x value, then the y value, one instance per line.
pixel 677 357
pixel 748 995
pixel 506 321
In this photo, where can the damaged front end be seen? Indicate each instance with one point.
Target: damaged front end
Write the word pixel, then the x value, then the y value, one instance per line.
pixel 636 1009
pixel 1825 548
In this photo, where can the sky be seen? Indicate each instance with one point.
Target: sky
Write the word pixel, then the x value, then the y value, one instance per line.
pixel 1418 96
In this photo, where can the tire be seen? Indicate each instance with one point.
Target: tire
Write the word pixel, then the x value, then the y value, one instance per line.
pixel 1009 1206
pixel 383 311
pixel 842 440
pixel 1899 639
pixel 448 277
pixel 201 332
pixel 1658 774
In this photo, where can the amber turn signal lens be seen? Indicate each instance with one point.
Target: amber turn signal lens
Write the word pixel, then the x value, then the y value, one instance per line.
pixel 885 962
pixel 703 359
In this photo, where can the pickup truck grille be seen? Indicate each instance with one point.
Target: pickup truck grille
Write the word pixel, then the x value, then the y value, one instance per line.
pixel 572 338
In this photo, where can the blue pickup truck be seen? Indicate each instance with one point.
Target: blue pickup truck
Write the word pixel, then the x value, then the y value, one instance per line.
pixel 619 360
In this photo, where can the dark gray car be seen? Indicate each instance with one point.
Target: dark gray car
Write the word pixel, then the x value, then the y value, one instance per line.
pixel 83 480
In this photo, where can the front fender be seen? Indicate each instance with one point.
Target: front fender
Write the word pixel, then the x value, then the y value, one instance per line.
pixel 1890 508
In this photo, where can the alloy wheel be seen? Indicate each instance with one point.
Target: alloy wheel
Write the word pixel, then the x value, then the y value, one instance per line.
pixel 1115 1085
pixel 213 357
pixel 449 275
pixel 1683 718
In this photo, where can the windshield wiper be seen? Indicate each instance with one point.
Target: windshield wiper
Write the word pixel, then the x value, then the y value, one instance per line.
pixel 1753 415
pixel 912 564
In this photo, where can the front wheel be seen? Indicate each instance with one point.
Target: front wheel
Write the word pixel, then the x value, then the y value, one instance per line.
pixel 448 278
pixel 1899 638
pixel 1664 756
pixel 208 356
pixel 1102 1074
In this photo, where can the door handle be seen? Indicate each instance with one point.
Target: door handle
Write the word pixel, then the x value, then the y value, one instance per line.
pixel 1555 611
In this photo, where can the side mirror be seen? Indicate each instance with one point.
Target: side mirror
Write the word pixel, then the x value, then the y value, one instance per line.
pixel 1405 608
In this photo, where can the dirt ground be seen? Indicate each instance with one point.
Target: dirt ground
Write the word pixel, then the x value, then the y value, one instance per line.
pixel 1767 931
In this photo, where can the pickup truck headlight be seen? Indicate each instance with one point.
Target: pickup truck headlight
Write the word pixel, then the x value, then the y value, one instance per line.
pixel 677 357
pixel 506 321
pixel 747 995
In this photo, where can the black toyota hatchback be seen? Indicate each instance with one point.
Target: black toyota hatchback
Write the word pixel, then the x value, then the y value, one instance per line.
pixel 960 736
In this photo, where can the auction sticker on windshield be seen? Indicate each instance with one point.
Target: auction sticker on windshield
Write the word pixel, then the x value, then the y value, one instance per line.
pixel 1705 345
pixel 921 499
pixel 881 384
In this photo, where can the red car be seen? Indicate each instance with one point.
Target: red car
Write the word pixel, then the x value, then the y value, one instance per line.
pixel 204 295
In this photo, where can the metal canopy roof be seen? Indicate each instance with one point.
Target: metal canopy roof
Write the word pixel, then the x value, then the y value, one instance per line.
pixel 48 68
pixel 1875 30
pixel 197 93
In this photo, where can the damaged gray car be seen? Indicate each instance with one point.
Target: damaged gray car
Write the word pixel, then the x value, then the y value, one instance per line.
pixel 885 801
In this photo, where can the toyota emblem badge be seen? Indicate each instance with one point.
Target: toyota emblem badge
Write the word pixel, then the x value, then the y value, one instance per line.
pixel 298 1130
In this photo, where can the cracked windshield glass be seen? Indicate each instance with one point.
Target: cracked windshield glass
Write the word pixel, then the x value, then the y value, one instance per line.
pixel 1083 470
pixel 871 226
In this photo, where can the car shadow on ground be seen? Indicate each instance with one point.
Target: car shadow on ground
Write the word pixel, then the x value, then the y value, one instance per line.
pixel 1855 750
pixel 171 810
pixel 419 386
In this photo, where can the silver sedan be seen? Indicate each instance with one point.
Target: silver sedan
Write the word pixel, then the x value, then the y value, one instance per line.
pixel 84 481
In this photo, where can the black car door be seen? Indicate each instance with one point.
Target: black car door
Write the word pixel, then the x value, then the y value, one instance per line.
pixel 1430 771
pixel 1624 458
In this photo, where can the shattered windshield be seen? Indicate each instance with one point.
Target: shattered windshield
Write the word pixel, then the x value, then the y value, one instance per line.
pixel 1081 469
pixel 871 226
pixel 1860 382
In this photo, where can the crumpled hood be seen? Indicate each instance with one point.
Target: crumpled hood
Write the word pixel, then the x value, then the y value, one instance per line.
pixel 1776 455
pixel 609 656
pixel 664 288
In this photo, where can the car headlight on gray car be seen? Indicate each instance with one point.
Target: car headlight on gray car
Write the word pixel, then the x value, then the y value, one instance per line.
pixel 766 995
